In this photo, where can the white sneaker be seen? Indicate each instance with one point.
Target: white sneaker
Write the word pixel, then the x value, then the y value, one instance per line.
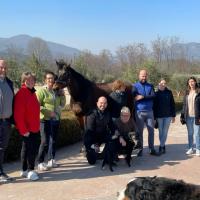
pixel 24 173
pixel 33 176
pixel 190 151
pixel 42 167
pixel 197 152
pixel 52 163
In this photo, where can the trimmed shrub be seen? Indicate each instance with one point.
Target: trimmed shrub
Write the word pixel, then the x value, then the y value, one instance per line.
pixel 69 133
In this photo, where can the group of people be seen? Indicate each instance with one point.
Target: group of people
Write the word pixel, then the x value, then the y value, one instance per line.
pixel 124 129
pixel 36 115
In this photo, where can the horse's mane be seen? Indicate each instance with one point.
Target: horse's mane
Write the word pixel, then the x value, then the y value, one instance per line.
pixel 80 78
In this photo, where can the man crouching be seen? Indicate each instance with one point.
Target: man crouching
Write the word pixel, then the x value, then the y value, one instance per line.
pixel 99 130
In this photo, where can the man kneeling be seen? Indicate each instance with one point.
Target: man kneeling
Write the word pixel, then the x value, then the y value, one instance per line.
pixel 99 130
pixel 128 138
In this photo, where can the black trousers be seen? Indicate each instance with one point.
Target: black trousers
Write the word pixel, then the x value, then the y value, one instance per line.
pixel 127 150
pixel 49 134
pixel 92 156
pixel 30 146
pixel 5 130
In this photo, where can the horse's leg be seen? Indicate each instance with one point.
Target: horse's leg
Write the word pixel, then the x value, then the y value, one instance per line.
pixel 81 120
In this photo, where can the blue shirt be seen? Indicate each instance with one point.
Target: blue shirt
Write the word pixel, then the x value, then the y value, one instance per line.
pixel 146 90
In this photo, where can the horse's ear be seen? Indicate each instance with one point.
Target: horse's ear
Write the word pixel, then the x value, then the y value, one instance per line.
pixel 60 64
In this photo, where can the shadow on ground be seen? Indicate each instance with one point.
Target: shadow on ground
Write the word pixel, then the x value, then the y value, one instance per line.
pixel 74 165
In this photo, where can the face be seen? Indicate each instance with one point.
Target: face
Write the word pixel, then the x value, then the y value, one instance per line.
pixel 102 103
pixel 3 68
pixel 125 117
pixel 143 76
pixel 192 83
pixel 49 80
pixel 30 82
pixel 162 85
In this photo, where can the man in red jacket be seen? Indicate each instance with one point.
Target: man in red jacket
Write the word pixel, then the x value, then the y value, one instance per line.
pixel 27 119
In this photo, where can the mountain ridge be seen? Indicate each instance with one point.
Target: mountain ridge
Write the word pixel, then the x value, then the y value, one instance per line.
pixel 21 42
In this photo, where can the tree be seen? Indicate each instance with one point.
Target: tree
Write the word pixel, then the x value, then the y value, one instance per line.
pixel 39 57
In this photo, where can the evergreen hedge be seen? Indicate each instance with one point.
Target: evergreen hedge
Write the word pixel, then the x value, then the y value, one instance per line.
pixel 69 133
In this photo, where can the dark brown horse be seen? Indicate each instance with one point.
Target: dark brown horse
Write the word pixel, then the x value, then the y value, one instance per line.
pixel 85 93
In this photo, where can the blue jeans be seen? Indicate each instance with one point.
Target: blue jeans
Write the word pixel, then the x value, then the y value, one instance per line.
pixel 163 127
pixel 148 119
pixel 49 132
pixel 193 129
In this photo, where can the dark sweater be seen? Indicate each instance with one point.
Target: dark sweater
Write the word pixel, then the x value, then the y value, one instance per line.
pixel 99 128
pixel 164 105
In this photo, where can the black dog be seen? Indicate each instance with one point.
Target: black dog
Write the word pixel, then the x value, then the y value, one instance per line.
pixel 159 188
pixel 109 153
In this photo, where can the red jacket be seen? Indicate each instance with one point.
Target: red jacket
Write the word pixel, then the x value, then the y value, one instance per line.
pixel 26 111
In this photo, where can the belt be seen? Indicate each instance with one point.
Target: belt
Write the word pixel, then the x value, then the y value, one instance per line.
pixel 4 119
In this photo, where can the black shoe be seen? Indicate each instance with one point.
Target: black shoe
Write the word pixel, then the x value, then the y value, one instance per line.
pixel 153 152
pixel 164 151
pixel 161 150
pixel 4 178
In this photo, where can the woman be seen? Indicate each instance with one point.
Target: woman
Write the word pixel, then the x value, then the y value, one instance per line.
pixel 128 133
pixel 51 103
pixel 188 115
pixel 27 120
pixel 119 96
pixel 164 112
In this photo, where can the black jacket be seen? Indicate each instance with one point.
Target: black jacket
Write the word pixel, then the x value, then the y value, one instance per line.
pixel 99 128
pixel 119 100
pixel 164 105
pixel 197 109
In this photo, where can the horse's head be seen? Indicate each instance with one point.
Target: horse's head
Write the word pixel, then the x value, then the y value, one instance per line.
pixel 63 74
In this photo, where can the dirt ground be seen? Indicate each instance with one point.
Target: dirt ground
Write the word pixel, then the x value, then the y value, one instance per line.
pixel 76 180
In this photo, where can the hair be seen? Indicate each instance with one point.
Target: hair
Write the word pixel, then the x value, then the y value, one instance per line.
pixel 117 85
pixel 187 84
pixel 27 75
pixel 49 72
pixel 125 110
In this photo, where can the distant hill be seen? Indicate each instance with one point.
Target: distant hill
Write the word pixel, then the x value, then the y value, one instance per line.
pixel 191 50
pixel 21 42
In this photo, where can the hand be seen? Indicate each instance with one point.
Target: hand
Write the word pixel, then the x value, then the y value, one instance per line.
pixel 122 141
pixel 52 114
pixel 95 147
pixel 139 97
pixel 26 134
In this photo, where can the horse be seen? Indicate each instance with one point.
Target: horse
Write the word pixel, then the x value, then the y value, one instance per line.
pixel 85 93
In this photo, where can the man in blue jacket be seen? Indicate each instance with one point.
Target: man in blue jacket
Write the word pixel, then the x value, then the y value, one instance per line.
pixel 144 94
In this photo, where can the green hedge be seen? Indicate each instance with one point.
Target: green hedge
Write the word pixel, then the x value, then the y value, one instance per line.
pixel 69 133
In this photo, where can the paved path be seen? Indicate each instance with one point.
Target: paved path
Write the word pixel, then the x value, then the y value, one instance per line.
pixel 76 180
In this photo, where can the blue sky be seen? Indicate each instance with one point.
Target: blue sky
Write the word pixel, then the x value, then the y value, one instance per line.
pixel 101 24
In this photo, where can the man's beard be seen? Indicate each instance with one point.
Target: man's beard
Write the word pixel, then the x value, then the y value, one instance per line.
pixel 2 76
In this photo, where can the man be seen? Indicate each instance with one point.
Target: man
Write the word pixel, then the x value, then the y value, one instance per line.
pixel 99 130
pixel 6 101
pixel 144 95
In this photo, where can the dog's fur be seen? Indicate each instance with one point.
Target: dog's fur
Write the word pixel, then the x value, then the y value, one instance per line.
pixel 109 152
pixel 159 188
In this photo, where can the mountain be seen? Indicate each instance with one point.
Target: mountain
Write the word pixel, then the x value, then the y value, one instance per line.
pixel 191 50
pixel 21 42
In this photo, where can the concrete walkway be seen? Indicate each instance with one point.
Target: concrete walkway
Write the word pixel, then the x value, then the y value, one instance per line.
pixel 76 180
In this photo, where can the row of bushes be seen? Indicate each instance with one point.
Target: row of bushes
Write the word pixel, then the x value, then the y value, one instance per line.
pixel 69 133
